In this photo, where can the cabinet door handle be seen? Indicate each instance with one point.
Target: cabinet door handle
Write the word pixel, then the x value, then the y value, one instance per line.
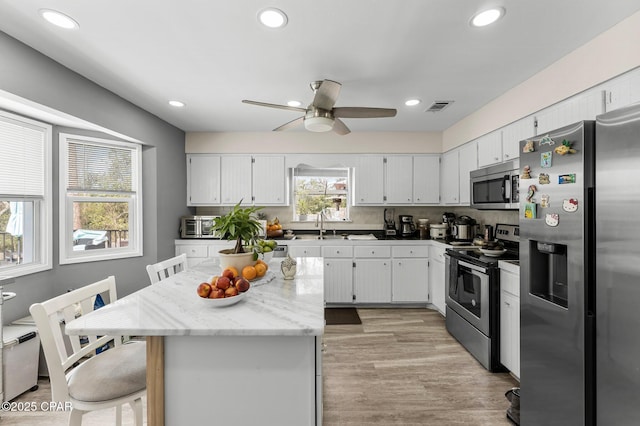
pixel 338 251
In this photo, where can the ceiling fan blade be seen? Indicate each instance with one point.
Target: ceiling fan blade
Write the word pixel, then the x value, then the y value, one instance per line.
pixel 327 94
pixel 293 123
pixel 362 112
pixel 340 128
pixel 264 104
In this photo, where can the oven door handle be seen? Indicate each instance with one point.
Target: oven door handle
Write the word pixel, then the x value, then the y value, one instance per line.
pixel 471 266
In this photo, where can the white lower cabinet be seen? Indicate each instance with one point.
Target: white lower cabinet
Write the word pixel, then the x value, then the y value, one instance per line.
pixel 304 251
pixel 338 274
pixel 372 274
pixel 200 251
pixel 510 321
pixel 437 278
pixel 410 281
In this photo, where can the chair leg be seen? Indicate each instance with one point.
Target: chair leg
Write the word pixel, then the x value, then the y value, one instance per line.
pixel 119 415
pixel 136 406
pixel 75 417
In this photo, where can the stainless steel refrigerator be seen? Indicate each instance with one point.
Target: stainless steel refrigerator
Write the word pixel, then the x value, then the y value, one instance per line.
pixel 580 273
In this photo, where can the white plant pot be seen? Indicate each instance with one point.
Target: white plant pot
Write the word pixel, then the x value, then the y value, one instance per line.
pixel 237 260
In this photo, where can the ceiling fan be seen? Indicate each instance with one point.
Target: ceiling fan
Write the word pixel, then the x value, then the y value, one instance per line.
pixel 321 116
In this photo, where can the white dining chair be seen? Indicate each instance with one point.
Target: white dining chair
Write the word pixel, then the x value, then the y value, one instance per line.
pixel 161 270
pixel 78 375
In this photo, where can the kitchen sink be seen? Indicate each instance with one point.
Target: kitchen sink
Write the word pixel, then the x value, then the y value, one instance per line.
pixel 335 237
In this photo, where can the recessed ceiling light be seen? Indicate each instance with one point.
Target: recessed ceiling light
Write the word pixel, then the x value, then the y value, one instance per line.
pixel 176 104
pixel 272 17
pixel 59 19
pixel 487 17
pixel 412 102
pixel 294 103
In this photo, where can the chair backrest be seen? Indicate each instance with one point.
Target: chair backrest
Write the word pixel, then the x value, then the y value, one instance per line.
pixel 50 316
pixel 166 268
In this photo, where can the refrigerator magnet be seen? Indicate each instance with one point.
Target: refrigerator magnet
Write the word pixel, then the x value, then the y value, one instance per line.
pixel 531 192
pixel 545 159
pixel 568 178
pixel 552 219
pixel 544 200
pixel 565 148
pixel 543 179
pixel 546 140
pixel 526 173
pixel 528 147
pixel 570 205
pixel 530 211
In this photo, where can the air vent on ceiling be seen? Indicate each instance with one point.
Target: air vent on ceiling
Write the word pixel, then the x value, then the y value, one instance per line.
pixel 438 106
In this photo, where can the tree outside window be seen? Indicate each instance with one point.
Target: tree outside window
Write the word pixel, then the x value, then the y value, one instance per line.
pixel 321 191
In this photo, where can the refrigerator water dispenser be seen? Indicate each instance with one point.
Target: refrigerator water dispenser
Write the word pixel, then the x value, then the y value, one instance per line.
pixel 548 272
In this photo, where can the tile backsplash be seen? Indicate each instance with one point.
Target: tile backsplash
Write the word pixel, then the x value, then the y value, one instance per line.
pixel 365 218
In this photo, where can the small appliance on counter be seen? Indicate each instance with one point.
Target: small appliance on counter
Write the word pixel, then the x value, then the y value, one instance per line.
pixel 423 229
pixel 389 223
pixel 449 219
pixel 407 227
pixel 197 227
pixel 438 231
pixel 464 228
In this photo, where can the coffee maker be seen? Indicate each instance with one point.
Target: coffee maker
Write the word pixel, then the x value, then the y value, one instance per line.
pixel 449 220
pixel 407 227
pixel 389 223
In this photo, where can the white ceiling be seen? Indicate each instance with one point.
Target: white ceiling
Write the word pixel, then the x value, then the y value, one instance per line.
pixel 213 54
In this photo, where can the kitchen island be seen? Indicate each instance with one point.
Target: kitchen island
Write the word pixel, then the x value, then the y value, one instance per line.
pixel 255 362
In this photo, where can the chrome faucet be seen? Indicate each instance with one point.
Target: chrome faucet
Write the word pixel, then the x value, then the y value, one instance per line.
pixel 320 220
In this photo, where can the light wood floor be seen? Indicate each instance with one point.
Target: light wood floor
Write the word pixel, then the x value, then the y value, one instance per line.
pixel 399 367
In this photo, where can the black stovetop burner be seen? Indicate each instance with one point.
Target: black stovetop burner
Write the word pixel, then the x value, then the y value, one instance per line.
pixel 508 235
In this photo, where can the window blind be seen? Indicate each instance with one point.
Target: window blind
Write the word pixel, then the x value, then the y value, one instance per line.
pixel 22 158
pixel 94 167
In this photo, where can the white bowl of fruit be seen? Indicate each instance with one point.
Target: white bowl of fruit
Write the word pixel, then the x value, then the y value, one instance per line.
pixel 227 289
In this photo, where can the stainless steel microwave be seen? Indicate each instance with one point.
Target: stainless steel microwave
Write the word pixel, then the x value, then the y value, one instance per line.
pixel 496 187
pixel 197 227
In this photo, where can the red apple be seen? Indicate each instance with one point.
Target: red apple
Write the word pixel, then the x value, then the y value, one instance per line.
pixel 242 285
pixel 231 291
pixel 204 289
pixel 223 283
pixel 216 293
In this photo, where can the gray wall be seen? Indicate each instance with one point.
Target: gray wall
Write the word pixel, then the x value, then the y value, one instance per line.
pixel 27 73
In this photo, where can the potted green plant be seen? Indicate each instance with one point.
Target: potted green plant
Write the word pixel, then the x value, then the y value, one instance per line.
pixel 242 226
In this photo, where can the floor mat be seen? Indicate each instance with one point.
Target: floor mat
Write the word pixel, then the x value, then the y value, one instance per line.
pixel 340 316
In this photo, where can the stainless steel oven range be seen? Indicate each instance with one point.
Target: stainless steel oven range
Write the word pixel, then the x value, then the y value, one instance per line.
pixel 473 296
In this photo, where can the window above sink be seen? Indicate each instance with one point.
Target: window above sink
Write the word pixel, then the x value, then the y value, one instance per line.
pixel 320 191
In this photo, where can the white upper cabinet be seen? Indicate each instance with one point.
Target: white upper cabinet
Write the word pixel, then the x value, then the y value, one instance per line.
pixel 399 179
pixel 226 179
pixel 467 161
pixel 584 106
pixel 512 134
pixel 450 178
pixel 203 180
pixel 426 179
pixel 235 175
pixel 369 180
pixel 490 149
pixel 269 180
pixel 622 91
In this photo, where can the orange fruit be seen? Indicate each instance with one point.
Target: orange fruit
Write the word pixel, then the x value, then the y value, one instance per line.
pixel 249 272
pixel 260 269
pixel 262 262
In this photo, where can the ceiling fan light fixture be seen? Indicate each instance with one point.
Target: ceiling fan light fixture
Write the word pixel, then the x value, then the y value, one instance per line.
pixel 487 17
pixel 318 124
pixel 59 19
pixel 272 17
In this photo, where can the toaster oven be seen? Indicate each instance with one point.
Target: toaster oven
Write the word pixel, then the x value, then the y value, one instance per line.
pixel 197 227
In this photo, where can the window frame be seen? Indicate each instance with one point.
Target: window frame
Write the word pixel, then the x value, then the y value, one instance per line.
pixel 135 247
pixel 313 216
pixel 43 223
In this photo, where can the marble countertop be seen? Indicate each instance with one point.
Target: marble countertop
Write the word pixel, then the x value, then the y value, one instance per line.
pixel 172 307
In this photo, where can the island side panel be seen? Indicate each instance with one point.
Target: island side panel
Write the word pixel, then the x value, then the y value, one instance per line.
pixel 155 380
pixel 240 380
